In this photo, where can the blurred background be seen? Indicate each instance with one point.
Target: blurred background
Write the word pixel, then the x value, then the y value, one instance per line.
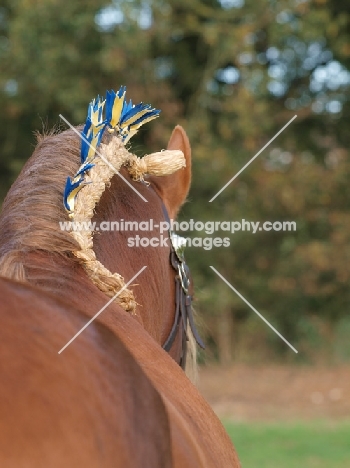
pixel 233 73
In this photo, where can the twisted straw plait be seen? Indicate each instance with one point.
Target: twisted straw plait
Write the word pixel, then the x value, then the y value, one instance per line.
pixel 88 197
pixel 159 164
pixel 162 163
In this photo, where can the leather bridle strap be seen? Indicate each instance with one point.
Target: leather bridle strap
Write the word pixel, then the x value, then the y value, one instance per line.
pixel 183 302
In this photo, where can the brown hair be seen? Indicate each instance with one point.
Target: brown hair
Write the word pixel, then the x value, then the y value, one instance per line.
pixel 33 207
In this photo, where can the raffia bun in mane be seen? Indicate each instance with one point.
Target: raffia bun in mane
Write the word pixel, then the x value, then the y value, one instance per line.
pixel 99 163
pixel 158 164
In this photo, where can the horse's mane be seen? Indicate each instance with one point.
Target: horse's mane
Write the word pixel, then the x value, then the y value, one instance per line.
pixel 33 207
pixel 30 217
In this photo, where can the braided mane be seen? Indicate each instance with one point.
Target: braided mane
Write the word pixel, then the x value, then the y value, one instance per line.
pixel 33 208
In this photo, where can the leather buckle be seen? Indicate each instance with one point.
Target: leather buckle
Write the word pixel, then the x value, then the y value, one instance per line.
pixel 184 279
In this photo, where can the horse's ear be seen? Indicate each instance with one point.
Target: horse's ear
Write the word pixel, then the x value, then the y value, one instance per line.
pixel 174 188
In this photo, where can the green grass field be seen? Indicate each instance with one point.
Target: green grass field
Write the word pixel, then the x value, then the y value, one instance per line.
pixel 316 444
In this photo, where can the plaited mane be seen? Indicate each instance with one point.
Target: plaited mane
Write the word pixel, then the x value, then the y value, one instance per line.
pixel 33 207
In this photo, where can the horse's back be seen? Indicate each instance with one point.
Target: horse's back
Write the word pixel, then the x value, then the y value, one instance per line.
pixel 91 406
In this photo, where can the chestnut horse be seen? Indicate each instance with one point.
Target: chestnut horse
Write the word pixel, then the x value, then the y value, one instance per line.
pixel 113 397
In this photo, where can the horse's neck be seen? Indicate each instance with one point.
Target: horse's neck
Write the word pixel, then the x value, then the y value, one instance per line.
pixel 68 282
pixel 154 289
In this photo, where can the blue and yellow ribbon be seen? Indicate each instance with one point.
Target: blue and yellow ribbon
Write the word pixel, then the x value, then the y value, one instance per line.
pixel 120 116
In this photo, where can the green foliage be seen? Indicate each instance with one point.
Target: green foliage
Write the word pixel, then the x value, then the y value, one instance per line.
pixel 232 72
